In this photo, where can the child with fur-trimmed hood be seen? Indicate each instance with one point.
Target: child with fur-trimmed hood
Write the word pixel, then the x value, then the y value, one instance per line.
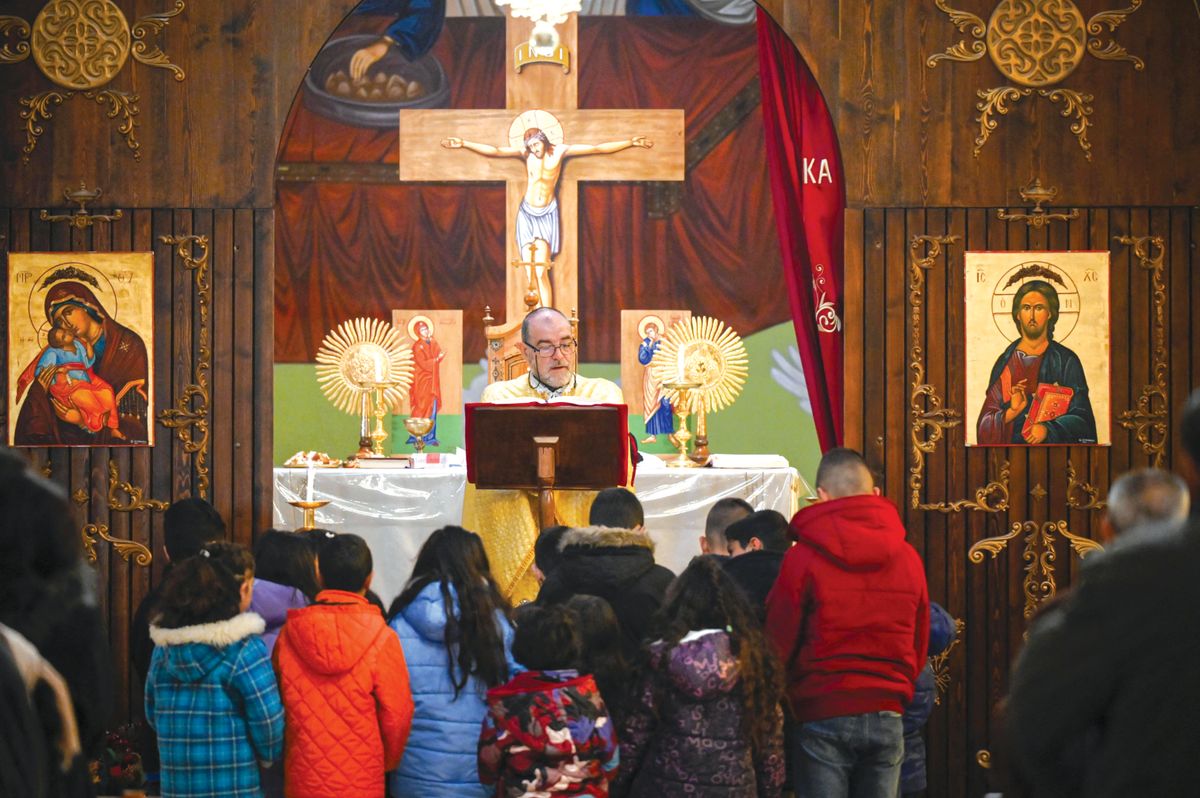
pixel 211 694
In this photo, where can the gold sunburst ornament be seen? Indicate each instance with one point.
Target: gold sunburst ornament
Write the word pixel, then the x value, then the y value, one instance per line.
pixel 702 366
pixel 360 360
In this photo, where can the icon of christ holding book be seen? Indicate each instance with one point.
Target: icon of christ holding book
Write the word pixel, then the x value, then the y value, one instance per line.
pixel 1037 392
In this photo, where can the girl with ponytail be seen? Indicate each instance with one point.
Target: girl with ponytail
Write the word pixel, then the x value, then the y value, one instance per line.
pixel 454 627
pixel 211 693
pixel 707 720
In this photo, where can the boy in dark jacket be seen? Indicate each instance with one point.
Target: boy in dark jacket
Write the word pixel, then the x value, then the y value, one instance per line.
pixel 547 730
pixel 942 632
pixel 849 617
pixel 757 544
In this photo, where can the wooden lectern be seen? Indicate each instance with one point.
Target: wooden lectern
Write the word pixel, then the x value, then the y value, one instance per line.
pixel 547 447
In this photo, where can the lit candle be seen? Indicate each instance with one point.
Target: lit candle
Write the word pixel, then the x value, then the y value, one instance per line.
pixel 310 481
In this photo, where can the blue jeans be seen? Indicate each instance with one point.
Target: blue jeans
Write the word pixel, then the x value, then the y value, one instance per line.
pixel 857 756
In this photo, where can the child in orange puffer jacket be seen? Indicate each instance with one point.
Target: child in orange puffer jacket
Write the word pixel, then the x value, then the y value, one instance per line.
pixel 344 684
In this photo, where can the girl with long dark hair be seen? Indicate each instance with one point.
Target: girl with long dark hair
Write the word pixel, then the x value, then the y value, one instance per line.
pixel 600 652
pixel 709 722
pixel 454 627
pixel 211 693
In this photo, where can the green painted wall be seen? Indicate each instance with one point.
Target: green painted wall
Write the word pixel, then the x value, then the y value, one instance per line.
pixel 766 418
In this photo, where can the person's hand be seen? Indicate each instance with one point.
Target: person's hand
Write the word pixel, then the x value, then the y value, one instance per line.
pixel 1018 402
pixel 452 143
pixel 1037 434
pixel 642 141
pixel 364 58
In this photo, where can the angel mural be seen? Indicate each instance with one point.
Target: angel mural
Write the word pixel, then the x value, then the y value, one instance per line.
pixel 89 384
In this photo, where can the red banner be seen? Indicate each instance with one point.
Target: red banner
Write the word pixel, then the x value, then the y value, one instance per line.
pixel 808 191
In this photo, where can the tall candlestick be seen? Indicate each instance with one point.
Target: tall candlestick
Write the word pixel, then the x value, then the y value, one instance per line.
pixel 309 494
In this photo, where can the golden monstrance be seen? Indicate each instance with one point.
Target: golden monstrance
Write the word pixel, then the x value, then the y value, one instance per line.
pixel 702 366
pixel 365 366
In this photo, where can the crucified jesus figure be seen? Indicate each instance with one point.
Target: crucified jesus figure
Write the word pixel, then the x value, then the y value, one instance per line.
pixel 537 229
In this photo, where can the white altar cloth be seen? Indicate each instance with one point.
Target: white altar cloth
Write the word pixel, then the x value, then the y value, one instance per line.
pixel 394 510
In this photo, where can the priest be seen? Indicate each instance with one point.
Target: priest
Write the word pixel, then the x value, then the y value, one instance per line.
pixel 550 350
pixel 507 520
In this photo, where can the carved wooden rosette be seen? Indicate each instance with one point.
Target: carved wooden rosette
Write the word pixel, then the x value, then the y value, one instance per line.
pixel 1148 418
pixel 80 46
pixel 929 419
pixel 189 417
pixel 1035 44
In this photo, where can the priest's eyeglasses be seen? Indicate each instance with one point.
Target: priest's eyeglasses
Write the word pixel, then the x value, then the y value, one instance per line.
pixel 547 350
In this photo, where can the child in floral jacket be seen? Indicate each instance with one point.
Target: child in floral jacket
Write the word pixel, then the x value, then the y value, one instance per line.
pixel 547 731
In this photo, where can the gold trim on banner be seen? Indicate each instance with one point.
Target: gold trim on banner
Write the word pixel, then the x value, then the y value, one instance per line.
pixel 190 413
pixel 1148 418
pixel 137 500
pixel 1092 500
pixel 92 533
pixel 929 420
pixel 1039 556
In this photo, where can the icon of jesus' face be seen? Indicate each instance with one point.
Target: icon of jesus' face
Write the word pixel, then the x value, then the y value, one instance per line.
pixel 1033 314
pixel 537 148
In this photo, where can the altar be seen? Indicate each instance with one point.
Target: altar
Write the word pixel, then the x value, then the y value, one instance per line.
pixel 395 509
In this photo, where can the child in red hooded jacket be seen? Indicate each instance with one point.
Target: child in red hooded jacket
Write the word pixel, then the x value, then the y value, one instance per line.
pixel 344 684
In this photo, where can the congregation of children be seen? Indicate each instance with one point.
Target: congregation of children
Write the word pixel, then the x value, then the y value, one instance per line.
pixel 788 657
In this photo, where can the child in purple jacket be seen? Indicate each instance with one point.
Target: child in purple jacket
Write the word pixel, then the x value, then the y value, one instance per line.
pixel 286 579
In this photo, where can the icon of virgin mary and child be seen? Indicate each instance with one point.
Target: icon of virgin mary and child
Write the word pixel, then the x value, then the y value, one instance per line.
pixel 88 385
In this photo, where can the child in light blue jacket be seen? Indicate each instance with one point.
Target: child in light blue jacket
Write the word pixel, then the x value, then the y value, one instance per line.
pixel 454 628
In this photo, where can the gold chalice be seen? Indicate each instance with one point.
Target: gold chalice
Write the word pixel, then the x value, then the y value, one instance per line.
pixel 418 428
pixel 681 436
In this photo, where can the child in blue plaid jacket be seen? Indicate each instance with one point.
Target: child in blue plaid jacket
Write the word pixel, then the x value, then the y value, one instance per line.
pixel 211 693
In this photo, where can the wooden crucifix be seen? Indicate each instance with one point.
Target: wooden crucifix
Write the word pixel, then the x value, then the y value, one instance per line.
pixel 575 145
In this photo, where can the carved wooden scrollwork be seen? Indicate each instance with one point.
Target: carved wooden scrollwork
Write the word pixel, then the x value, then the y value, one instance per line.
pixel 1039 557
pixel 1081 495
pixel 189 417
pixel 126 548
pixel 940 663
pixel 1148 417
pixel 136 496
pixel 929 419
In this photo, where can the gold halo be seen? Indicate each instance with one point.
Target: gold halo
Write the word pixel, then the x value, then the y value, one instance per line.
pixel 704 351
pixel 543 120
pixel 412 325
pixel 358 356
pixel 646 321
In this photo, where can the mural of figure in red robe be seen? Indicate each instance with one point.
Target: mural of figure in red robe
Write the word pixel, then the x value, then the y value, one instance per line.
pixel 426 394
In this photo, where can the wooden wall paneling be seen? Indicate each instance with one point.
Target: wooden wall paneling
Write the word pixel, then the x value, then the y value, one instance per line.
pixel 935 548
pixel 1097 236
pixel 222 254
pixel 952 736
pixel 242 418
pixel 874 334
pixel 183 350
pixel 1122 275
pixel 1141 324
pixel 147 227
pixel 1195 298
pixel 896 344
pixel 1178 280
pixel 852 330
pixel 259 438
